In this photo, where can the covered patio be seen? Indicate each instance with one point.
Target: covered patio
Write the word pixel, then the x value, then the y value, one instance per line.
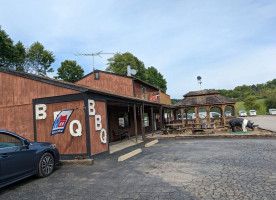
pixel 204 109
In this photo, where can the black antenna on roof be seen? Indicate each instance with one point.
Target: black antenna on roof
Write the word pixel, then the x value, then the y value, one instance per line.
pixel 93 55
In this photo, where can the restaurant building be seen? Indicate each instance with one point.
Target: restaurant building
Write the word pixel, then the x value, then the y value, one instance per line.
pixel 106 107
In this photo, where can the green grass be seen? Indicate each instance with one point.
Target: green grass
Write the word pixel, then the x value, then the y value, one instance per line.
pixel 261 111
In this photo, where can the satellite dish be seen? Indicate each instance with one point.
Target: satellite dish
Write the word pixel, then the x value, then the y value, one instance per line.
pixel 130 71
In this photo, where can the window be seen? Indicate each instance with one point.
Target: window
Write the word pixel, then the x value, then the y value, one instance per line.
pixel 97 75
pixel 124 121
pixel 9 141
pixel 146 119
pixel 143 90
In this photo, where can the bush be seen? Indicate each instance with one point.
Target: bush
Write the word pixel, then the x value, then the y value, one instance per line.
pixel 270 101
pixel 250 103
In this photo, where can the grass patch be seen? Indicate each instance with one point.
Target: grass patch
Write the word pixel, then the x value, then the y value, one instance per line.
pixel 261 111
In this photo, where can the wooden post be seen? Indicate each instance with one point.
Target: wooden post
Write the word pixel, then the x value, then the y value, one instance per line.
pixel 152 119
pixel 135 122
pixel 142 122
pixel 161 117
pixel 196 114
pixel 208 108
pixel 222 113
pixel 182 116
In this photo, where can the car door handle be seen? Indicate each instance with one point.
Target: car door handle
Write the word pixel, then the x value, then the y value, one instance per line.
pixel 5 155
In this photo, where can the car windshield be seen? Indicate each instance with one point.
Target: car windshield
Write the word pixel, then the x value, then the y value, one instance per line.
pixel 272 109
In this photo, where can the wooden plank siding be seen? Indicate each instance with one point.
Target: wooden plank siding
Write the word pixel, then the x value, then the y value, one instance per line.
pixel 16 95
pixel 110 83
pixel 66 143
pixel 165 99
pixel 138 88
pixel 96 145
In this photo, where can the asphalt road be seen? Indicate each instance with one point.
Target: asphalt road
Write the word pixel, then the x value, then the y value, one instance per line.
pixel 171 169
pixel 264 121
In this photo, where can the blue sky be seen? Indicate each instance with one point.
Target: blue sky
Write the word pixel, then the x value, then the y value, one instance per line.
pixel 226 42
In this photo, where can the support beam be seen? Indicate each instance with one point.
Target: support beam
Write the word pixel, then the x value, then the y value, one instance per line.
pixel 161 117
pixel 182 116
pixel 223 115
pixel 142 122
pixel 152 119
pixel 135 122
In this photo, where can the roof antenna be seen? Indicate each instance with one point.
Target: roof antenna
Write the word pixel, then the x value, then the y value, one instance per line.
pixel 199 81
pixel 93 55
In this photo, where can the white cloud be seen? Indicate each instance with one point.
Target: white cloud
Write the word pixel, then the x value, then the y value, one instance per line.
pixel 182 39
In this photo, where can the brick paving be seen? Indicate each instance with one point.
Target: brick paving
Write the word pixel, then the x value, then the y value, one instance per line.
pixel 171 169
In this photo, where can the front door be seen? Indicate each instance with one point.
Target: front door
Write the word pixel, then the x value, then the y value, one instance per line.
pixel 16 159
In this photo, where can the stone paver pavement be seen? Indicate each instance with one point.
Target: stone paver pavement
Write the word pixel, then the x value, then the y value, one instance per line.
pixel 171 169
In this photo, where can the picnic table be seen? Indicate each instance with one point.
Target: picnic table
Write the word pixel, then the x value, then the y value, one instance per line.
pixel 177 127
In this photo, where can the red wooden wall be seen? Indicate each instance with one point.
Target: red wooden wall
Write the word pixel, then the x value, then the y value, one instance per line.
pixel 96 145
pixel 16 94
pixel 109 82
pixel 66 143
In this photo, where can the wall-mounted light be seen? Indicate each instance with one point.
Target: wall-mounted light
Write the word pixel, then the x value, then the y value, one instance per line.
pixel 97 75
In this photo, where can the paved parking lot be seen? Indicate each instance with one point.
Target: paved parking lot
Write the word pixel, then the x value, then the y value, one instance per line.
pixel 264 121
pixel 171 169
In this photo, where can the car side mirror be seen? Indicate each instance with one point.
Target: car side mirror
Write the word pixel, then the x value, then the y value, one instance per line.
pixel 26 142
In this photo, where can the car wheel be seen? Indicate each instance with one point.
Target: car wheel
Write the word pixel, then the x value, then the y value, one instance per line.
pixel 46 165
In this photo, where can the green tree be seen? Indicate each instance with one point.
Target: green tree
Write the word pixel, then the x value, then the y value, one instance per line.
pixel 156 78
pixel 20 55
pixel 6 49
pixel 250 103
pixel 69 71
pixel 270 101
pixel 39 59
pixel 118 64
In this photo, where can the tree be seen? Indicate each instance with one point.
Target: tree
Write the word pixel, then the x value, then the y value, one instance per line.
pixel 7 49
pixel 270 101
pixel 118 64
pixel 70 71
pixel 20 55
pixel 155 78
pixel 250 103
pixel 39 59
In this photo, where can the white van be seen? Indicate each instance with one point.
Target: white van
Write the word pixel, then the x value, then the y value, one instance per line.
pixel 272 111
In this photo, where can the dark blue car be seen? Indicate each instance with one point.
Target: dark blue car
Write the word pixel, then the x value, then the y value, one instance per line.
pixel 20 158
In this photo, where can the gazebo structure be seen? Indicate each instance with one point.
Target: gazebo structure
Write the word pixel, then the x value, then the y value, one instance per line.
pixel 203 108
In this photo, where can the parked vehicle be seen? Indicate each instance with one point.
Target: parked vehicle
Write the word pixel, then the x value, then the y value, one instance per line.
pixel 272 111
pixel 228 114
pixel 21 158
pixel 215 114
pixel 242 113
pixel 252 112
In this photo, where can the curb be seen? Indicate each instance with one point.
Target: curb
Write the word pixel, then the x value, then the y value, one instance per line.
pixel 77 162
pixel 129 155
pixel 214 136
pixel 151 143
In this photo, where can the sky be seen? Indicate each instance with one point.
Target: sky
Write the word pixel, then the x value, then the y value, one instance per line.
pixel 226 42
